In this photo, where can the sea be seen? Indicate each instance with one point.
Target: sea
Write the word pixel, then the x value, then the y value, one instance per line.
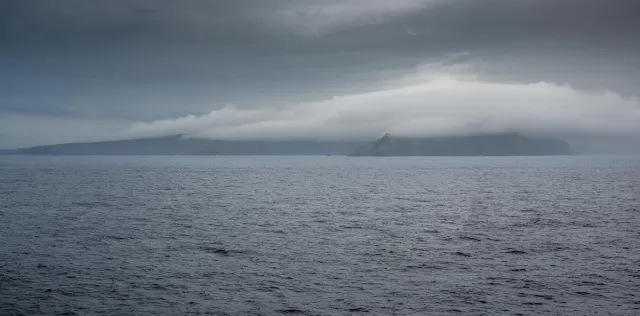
pixel 213 235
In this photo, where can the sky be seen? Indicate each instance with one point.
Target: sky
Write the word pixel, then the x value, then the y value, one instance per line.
pixel 85 70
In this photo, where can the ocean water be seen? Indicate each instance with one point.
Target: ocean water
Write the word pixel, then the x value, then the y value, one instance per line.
pixel 319 236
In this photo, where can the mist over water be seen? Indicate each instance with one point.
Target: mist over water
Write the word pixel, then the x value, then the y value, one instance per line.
pixel 319 235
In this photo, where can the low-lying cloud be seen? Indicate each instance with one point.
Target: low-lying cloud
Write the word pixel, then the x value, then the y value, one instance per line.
pixel 437 99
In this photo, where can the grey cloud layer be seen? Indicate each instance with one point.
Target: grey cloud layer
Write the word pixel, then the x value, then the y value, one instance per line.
pixel 245 21
pixel 212 19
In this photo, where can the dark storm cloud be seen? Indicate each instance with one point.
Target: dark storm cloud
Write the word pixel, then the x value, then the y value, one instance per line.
pixel 94 23
pixel 530 19
pixel 408 23
pixel 161 40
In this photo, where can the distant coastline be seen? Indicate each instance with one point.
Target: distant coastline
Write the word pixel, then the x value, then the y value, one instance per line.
pixel 502 144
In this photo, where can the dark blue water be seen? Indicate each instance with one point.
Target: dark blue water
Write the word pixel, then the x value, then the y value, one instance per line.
pixel 319 236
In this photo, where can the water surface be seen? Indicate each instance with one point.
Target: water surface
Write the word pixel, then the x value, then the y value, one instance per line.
pixel 319 236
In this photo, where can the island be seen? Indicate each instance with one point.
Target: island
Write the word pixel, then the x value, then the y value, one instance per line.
pixel 180 145
pixel 502 144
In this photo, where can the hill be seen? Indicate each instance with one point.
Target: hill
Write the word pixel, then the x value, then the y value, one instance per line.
pixel 503 144
pixel 178 145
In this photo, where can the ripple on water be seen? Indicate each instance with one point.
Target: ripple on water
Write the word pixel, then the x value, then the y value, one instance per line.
pixel 319 236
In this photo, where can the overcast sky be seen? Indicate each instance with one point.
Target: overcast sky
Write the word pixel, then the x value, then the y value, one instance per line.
pixel 75 70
